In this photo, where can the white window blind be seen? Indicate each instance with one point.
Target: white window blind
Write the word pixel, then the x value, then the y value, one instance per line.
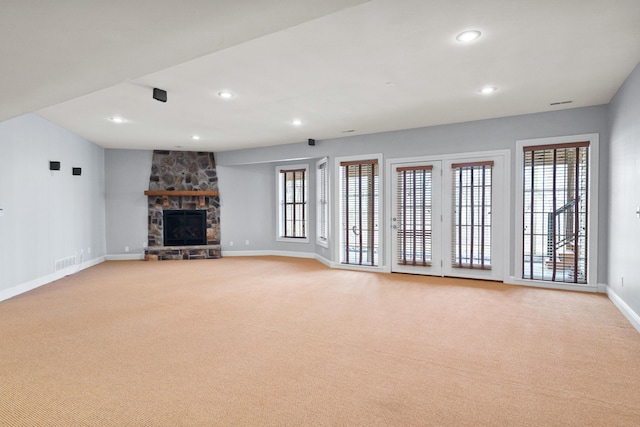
pixel 555 201
pixel 471 215
pixel 359 188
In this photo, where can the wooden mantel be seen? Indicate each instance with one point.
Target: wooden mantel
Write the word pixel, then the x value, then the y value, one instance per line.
pixel 182 193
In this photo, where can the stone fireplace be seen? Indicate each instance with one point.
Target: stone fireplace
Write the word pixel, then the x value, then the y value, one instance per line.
pixel 184 206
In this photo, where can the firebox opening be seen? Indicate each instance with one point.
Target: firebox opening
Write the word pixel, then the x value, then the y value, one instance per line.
pixel 185 227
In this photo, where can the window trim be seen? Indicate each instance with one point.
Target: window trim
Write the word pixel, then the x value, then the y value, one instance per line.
pixel 280 201
pixel 592 233
pixel 320 207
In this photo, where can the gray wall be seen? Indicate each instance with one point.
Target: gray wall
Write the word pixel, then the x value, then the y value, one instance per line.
pixel 248 208
pixel 48 215
pixel 476 136
pixel 624 192
pixel 127 177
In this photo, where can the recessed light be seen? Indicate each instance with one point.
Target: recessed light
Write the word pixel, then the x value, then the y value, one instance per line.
pixel 195 137
pixel 296 122
pixel 468 36
pixel 488 90
pixel 117 119
pixel 225 94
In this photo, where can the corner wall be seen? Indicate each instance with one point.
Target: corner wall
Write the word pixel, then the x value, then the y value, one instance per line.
pixel 624 198
pixel 127 177
pixel 53 222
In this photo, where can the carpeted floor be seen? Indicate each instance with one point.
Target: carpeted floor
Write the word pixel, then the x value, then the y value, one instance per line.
pixel 289 342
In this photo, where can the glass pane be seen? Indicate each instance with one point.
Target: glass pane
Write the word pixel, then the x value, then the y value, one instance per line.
pixel 555 214
pixel 471 216
pixel 413 216
pixel 359 213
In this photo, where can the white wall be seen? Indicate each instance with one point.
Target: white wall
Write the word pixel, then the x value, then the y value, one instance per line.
pixel 485 135
pixel 127 177
pixel 624 193
pixel 47 215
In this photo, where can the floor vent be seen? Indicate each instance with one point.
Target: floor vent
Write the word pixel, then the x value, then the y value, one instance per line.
pixel 63 263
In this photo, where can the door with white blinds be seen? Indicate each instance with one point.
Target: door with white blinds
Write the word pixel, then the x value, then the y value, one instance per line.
pixel 415 218
pixel 474 216
pixel 447 217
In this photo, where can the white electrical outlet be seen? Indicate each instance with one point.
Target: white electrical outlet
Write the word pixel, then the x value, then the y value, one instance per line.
pixel 145 244
pixel 246 242
pixel 126 248
pixel 89 250
pixel 231 243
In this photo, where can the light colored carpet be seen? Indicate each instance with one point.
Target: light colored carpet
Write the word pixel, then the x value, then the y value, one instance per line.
pixel 274 341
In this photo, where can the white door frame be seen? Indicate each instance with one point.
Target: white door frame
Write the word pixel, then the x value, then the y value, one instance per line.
pixel 501 208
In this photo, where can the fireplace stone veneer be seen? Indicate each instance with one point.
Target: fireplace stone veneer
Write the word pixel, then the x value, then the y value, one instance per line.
pixel 183 171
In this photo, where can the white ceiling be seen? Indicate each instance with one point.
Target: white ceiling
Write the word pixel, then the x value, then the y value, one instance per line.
pixel 336 65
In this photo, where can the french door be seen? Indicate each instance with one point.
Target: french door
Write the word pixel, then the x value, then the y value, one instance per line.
pixel 415 218
pixel 447 217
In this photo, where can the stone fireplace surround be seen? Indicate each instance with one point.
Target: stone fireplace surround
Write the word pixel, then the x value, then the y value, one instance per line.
pixel 182 171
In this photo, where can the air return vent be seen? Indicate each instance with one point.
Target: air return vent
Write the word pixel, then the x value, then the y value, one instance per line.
pixel 63 263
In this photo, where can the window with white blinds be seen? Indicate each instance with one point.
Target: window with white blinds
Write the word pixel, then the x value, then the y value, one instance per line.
pixel 292 197
pixel 359 197
pixel 471 215
pixel 413 217
pixel 555 211
pixel 322 203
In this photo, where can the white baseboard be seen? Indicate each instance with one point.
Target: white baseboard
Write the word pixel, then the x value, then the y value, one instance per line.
pixel 624 308
pixel 124 257
pixel 40 281
pixel 269 253
pixel 511 280
pixel 325 261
